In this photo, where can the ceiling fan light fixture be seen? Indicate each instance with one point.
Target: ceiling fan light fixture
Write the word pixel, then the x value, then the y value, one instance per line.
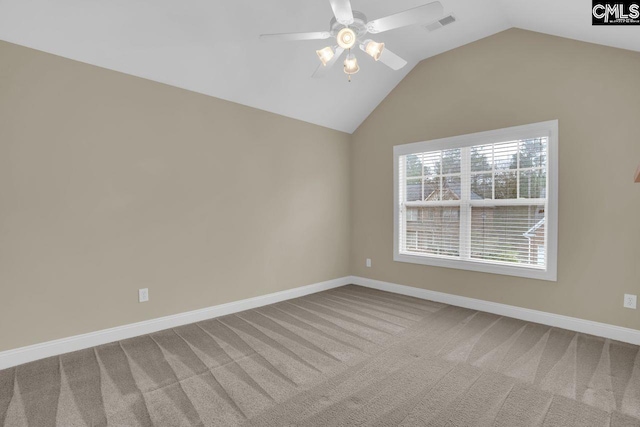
pixel 349 28
pixel 374 49
pixel 325 55
pixel 351 65
pixel 346 38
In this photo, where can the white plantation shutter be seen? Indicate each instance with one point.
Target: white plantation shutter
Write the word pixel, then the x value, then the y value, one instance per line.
pixel 479 200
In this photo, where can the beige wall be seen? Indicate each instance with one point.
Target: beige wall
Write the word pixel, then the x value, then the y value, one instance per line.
pixel 514 78
pixel 110 183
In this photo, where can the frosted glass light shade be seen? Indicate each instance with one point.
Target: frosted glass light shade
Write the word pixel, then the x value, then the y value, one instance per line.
pixel 325 55
pixel 351 65
pixel 374 49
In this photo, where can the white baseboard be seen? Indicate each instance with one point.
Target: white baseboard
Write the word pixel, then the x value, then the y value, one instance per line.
pixel 604 330
pixel 53 348
pixel 30 353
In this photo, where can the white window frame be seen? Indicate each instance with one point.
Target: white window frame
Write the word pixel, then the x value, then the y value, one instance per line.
pixel 547 129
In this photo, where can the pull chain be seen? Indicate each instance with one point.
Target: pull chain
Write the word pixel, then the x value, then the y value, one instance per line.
pixel 349 55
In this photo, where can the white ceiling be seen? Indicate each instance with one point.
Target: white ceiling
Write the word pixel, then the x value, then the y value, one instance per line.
pixel 212 46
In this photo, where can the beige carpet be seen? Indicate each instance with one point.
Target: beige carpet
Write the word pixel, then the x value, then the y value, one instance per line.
pixel 350 356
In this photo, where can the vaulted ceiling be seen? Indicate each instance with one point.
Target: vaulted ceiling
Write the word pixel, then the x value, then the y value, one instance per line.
pixel 212 46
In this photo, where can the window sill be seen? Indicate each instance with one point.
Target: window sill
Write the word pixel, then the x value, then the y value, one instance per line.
pixel 484 267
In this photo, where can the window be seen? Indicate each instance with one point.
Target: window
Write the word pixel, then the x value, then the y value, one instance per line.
pixel 483 202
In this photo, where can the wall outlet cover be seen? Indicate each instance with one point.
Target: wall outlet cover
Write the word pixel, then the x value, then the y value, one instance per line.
pixel 143 295
pixel 630 301
pixel 368 262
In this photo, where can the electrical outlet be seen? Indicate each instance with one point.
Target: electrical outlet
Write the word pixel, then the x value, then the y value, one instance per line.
pixel 143 295
pixel 368 262
pixel 630 301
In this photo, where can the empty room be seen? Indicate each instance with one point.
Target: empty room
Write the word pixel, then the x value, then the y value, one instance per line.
pixel 319 213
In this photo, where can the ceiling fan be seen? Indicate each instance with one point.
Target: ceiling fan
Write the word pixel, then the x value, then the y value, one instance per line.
pixel 350 28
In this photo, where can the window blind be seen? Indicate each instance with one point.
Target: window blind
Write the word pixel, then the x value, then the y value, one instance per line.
pixel 483 203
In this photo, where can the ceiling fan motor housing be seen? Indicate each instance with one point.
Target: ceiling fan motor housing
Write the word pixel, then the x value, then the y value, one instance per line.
pixel 359 25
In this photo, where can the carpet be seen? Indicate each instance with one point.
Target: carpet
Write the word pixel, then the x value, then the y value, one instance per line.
pixel 349 356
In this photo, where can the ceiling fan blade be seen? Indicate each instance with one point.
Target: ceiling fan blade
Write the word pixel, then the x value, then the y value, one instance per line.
pixel 342 11
pixel 392 60
pixel 284 37
pixel 322 70
pixel 418 15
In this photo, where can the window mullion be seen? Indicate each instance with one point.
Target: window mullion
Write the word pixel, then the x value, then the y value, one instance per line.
pixel 518 171
pixel 465 203
pixel 440 178
pixel 402 210
pixel 493 171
